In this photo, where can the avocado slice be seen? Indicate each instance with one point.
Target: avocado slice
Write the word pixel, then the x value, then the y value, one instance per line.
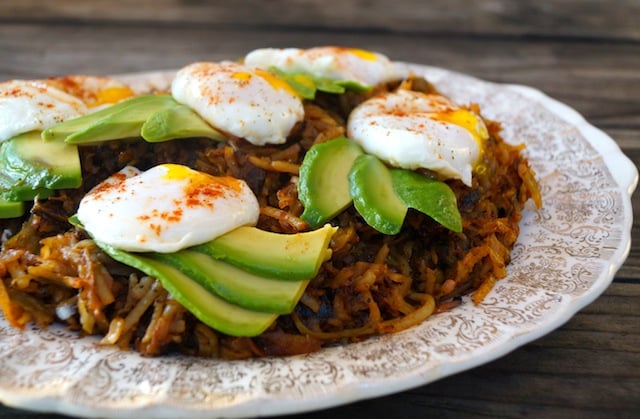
pixel 14 190
pixel 323 188
pixel 122 120
pixel 61 131
pixel 284 256
pixel 429 196
pixel 124 123
pixel 52 165
pixel 234 284
pixel 306 84
pixel 210 309
pixel 30 167
pixel 178 121
pixel 11 209
pixel 374 197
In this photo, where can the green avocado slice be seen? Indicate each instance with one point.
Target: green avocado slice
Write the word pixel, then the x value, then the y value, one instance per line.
pixel 323 188
pixel 11 209
pixel 374 197
pixel 210 309
pixel 53 165
pixel 61 131
pixel 306 84
pixel 30 167
pixel 176 122
pixel 291 257
pixel 234 284
pixel 126 122
pixel 13 192
pixel 429 196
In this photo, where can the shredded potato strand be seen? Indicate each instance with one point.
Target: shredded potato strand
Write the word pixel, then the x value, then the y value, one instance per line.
pixel 15 315
pixel 415 317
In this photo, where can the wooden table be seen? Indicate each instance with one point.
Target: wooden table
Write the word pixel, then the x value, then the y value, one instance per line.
pixel 583 53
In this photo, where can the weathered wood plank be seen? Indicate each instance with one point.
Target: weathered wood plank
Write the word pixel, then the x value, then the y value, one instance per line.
pixel 627 138
pixel 485 392
pixel 552 389
pixel 623 305
pixel 593 19
pixel 607 322
pixel 620 340
pixel 592 362
pixel 630 270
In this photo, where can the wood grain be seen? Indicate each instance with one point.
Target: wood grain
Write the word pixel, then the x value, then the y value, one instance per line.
pixel 583 53
pixel 592 19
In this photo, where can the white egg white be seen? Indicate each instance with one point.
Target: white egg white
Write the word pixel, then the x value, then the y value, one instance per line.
pixel 339 63
pixel 404 129
pixel 29 105
pixel 34 105
pixel 94 91
pixel 240 101
pixel 166 208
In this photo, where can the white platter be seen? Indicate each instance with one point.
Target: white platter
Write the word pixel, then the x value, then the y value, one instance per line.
pixel 566 256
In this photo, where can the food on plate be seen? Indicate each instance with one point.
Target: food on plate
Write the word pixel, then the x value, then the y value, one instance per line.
pixel 34 169
pixel 11 209
pixel 428 131
pixel 323 188
pixel 166 208
pixel 272 206
pixel 351 65
pixel 248 103
pixel 31 167
pixel 27 105
pixel 154 117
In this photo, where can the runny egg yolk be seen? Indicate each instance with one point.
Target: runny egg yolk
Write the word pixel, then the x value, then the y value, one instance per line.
pixel 165 209
pixel 467 120
pixel 363 54
pixel 111 95
pixel 92 90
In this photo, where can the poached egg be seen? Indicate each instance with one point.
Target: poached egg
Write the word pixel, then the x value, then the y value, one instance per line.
pixel 247 103
pixel 339 63
pixel 413 130
pixel 94 91
pixel 34 105
pixel 29 105
pixel 166 208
